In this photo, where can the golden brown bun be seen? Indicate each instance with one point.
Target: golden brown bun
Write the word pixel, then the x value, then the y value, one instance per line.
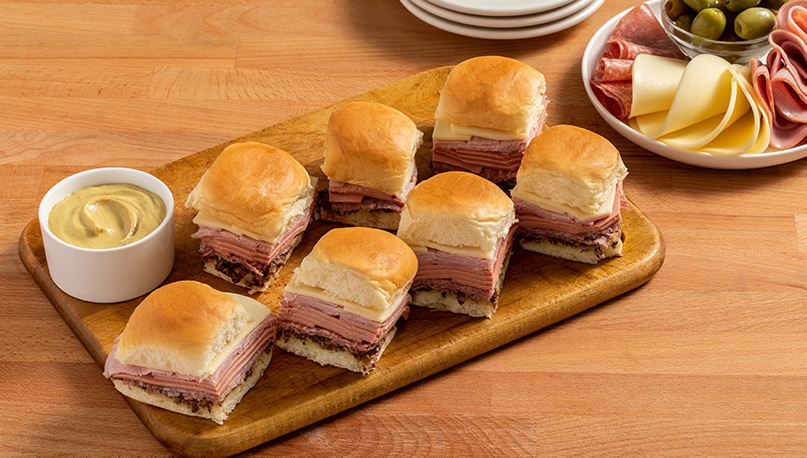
pixel 366 266
pixel 571 167
pixel 371 145
pixel 180 327
pixel 255 187
pixel 493 92
pixel 457 211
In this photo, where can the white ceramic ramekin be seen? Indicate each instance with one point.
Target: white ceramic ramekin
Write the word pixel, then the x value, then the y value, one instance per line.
pixel 112 274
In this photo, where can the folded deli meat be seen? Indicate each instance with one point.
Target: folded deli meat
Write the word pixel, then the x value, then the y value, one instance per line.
pixel 639 32
pixel 312 316
pixel 780 79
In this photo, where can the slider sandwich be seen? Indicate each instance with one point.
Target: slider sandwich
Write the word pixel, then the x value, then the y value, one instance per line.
pixel 341 306
pixel 569 196
pixel 254 203
pixel 191 349
pixel 489 109
pixel 370 164
pixel 461 227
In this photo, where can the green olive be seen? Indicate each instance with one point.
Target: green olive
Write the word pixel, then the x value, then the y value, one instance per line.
pixel 735 6
pixel 700 5
pixel 754 23
pixel 675 8
pixel 709 23
pixel 684 22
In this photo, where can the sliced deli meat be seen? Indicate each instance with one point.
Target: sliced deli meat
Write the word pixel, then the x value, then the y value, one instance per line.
pixel 640 32
pixel 780 81
pixel 637 32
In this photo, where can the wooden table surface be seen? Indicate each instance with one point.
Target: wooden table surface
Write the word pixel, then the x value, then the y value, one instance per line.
pixel 708 357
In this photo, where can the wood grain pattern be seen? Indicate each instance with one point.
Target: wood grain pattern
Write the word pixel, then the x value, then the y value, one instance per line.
pixel 538 291
pixel 705 359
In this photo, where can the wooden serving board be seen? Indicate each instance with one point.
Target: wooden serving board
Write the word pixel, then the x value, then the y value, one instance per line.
pixel 293 393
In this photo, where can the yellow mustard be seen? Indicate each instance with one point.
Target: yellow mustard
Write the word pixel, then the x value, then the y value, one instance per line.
pixel 106 216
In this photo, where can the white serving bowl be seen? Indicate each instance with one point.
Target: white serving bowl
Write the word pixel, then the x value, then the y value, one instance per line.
pixel 111 274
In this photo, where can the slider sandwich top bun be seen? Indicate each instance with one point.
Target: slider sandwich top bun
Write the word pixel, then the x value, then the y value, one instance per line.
pixel 461 227
pixel 370 164
pixel 191 349
pixel 569 196
pixel 341 306
pixel 489 109
pixel 254 203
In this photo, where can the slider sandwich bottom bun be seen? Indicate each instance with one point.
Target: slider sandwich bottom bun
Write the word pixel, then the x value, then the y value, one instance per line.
pixel 191 349
pixel 381 218
pixel 342 305
pixel 461 227
pixel 254 203
pixel 569 196
pixel 370 164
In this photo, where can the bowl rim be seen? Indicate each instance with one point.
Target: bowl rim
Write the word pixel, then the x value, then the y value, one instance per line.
pixel 44 210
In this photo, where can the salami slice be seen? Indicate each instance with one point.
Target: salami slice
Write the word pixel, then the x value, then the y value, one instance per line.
pixel 609 69
pixel 615 96
pixel 638 32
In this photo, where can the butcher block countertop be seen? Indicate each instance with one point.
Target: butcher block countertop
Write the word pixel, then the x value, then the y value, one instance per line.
pixel 707 356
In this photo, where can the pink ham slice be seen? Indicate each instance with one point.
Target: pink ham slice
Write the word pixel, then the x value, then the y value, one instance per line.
pixel 217 386
pixel 535 220
pixel 472 276
pixel 638 32
pixel 780 82
pixel 252 253
pixel 348 196
pixel 311 316
pixel 496 160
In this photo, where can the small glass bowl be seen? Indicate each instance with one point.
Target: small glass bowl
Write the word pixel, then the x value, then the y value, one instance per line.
pixel 736 52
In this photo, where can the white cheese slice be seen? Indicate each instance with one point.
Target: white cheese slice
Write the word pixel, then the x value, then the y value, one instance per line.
pixel 205 219
pixel 698 135
pixel 378 315
pixel 446 130
pixel 604 210
pixel 655 83
pixel 754 125
pixel 476 252
pixel 704 92
pixel 256 313
pixel 711 86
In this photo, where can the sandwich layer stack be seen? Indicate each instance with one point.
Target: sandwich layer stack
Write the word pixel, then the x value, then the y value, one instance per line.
pixel 502 19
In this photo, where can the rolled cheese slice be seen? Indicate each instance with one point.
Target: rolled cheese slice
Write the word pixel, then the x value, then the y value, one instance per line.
pixel 655 83
pixel 713 109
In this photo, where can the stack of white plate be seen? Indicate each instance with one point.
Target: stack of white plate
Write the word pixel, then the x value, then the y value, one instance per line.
pixel 502 19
